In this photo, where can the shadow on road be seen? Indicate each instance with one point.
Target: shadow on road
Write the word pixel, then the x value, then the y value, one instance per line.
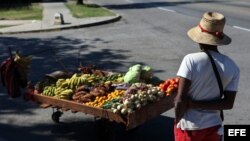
pixel 159 128
pixel 61 53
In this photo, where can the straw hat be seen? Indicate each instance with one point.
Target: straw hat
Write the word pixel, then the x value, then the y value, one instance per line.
pixel 210 30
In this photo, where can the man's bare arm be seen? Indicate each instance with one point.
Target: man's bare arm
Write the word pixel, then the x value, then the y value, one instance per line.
pixel 181 99
pixel 221 104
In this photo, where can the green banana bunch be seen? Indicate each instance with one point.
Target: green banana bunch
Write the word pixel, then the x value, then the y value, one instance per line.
pixel 49 91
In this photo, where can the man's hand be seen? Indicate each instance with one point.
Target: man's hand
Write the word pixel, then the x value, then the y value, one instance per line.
pixel 180 108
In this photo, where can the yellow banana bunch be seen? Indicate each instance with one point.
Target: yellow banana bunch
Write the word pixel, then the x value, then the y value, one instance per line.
pixel 59 82
pixel 58 90
pixel 64 84
pixel 65 94
pixel 73 82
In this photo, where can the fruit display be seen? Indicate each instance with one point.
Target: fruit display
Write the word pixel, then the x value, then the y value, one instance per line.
pixel 110 91
pixel 106 100
pixel 170 86
pixel 14 71
pixel 76 83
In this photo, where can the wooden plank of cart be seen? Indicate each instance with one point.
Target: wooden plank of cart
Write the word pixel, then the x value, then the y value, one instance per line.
pixel 131 121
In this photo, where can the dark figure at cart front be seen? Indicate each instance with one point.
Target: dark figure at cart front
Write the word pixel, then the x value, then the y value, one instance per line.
pixel 208 83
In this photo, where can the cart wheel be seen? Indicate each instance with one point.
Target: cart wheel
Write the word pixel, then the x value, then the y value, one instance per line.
pixel 56 116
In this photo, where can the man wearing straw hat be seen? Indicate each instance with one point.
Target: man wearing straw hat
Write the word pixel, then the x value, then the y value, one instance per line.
pixel 208 83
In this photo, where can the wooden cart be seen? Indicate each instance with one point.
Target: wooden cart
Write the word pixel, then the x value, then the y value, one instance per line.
pixel 131 121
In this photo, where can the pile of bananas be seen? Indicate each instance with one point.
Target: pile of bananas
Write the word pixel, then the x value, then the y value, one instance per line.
pixel 71 83
pixel 58 92
pixel 78 80
pixel 65 88
pixel 49 91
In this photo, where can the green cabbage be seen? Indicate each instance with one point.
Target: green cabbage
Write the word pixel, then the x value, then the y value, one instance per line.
pixel 138 73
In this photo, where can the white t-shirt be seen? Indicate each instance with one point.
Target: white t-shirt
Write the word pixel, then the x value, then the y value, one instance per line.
pixel 198 68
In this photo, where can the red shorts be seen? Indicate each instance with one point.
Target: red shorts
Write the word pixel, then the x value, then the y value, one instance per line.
pixel 207 134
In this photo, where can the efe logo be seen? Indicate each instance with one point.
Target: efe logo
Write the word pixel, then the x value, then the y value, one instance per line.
pixel 237 132
pixel 241 132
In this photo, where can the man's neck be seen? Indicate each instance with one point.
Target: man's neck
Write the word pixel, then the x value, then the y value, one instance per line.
pixel 208 47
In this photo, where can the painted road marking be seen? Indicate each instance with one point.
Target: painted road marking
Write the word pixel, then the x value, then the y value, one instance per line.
pixel 130 1
pixel 165 9
pixel 242 28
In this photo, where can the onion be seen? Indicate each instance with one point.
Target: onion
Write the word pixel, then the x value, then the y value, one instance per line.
pixel 130 110
pixel 154 90
pixel 137 102
pixel 136 95
pixel 140 96
pixel 149 92
pixel 126 102
pixel 132 97
pixel 114 105
pixel 124 111
pixel 115 111
pixel 150 98
pixel 138 105
pixel 160 93
pixel 119 107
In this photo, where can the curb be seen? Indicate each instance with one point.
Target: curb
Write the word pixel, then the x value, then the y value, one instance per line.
pixel 116 18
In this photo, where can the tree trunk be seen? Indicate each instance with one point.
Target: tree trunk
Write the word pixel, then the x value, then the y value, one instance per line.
pixel 79 2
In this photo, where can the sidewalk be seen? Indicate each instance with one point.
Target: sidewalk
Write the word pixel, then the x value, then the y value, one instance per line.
pixel 49 10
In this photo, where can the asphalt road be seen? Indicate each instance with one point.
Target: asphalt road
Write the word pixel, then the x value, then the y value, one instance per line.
pixel 151 32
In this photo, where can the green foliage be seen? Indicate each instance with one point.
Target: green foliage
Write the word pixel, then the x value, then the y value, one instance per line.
pixel 30 12
pixel 3 26
pixel 83 11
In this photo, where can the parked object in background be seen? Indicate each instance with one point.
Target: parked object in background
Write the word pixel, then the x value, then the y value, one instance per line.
pixel 58 19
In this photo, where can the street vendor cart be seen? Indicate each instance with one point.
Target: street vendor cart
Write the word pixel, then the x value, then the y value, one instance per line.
pixel 130 104
pixel 130 99
pixel 131 121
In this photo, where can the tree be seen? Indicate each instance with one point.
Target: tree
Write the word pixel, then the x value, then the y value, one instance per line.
pixel 79 2
pixel 15 3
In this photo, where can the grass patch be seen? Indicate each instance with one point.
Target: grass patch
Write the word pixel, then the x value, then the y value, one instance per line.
pixel 32 12
pixel 84 11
